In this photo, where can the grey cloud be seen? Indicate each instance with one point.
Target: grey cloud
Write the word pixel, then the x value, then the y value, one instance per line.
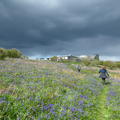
pixel 60 26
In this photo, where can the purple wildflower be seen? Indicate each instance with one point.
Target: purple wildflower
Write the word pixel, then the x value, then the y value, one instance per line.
pixel 52 111
pixel 112 93
pixel 80 110
pixel 73 109
pixel 31 99
pixel 2 101
pixel 51 105
pixel 64 107
pixel 108 98
pixel 89 104
pixel 48 107
pixel 81 102
pixel 82 96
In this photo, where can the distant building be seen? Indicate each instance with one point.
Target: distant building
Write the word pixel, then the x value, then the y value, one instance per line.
pixel 41 58
pixel 74 58
pixel 63 57
pixel 97 57
pixel 83 56
pixel 92 57
pixel 67 57
pixel 71 57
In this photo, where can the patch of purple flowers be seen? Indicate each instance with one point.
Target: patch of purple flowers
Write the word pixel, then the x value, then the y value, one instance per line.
pixel 3 100
pixel 48 106
pixel 82 96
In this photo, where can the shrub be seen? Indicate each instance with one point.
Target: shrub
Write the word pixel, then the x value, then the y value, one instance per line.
pixel 10 53
pixel 54 58
pixel 118 64
pixel 108 64
pixel 3 53
pixel 14 53
pixel 95 63
pixel 86 62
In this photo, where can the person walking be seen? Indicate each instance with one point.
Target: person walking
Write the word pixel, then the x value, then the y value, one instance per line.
pixel 103 74
pixel 78 68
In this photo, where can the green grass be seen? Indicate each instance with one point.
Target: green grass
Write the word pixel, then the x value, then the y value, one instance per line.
pixel 33 90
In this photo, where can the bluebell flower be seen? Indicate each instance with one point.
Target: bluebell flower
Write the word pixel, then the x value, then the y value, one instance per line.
pixel 80 110
pixel 89 104
pixel 73 109
pixel 112 93
pixel 52 111
pixel 108 98
pixel 82 96
pixel 81 102
pixel 51 105
pixel 2 101
pixel 48 107
pixel 31 99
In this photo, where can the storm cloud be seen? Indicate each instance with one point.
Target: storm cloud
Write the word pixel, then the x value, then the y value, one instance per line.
pixel 57 27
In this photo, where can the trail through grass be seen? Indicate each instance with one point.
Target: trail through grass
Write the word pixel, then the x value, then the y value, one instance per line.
pixel 103 113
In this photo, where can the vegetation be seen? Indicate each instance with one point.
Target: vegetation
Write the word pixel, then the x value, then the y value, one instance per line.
pixel 14 53
pixel 9 53
pixel 94 63
pixel 3 53
pixel 54 58
pixel 45 90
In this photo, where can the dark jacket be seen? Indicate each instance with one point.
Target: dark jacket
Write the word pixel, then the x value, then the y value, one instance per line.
pixel 78 67
pixel 103 73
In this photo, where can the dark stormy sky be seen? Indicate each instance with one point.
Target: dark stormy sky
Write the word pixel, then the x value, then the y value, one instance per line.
pixel 61 27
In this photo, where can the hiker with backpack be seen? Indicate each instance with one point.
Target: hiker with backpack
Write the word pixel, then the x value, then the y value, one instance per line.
pixel 103 74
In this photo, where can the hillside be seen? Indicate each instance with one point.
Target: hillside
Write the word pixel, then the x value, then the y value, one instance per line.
pixel 45 90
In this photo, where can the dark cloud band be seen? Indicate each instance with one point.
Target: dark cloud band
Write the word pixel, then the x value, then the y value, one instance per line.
pixel 60 26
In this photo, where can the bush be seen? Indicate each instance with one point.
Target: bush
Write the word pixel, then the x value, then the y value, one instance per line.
pixel 109 64
pixel 54 58
pixel 3 53
pixel 118 64
pixel 10 53
pixel 14 53
pixel 86 62
pixel 95 63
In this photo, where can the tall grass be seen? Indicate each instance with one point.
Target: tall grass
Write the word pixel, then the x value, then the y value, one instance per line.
pixel 44 90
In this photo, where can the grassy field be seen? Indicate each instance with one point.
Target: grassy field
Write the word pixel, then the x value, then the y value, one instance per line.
pixel 44 90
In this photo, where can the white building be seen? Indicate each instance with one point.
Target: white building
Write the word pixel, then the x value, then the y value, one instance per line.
pixel 86 57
